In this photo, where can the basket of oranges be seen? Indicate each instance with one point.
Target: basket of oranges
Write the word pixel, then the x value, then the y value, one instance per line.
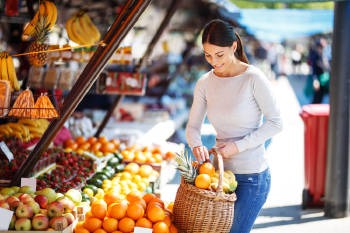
pixel 205 199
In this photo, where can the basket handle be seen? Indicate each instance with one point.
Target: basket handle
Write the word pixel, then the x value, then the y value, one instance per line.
pixel 219 190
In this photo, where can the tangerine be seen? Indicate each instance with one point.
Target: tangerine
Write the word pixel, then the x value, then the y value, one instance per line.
pixel 160 227
pixel 207 168
pixel 92 224
pixel 96 147
pixel 144 222
pixel 92 140
pixel 148 197
pixel 110 224
pixel 118 210
pixel 100 230
pixel 80 229
pixel 111 197
pixel 133 168
pixel 155 214
pixel 107 147
pixel 173 229
pixel 99 209
pixel 68 142
pixel 80 140
pixel 126 224
pixel 102 139
pixel 202 181
pixel 135 211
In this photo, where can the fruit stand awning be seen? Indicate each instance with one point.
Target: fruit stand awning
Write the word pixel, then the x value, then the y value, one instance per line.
pixel 279 24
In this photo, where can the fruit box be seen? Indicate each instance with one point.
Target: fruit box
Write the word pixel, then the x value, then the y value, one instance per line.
pixel 68 229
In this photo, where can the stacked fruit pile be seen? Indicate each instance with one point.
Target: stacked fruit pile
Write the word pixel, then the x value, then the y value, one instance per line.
pixel 41 210
pixel 120 215
pixel 25 129
pixel 203 175
pixel 99 146
pixel 71 171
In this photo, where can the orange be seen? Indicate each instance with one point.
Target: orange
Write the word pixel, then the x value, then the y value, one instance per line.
pixel 88 214
pixel 156 150
pixel 155 214
pixel 141 202
pixel 167 220
pixel 151 160
pixel 170 155
pixel 140 157
pixel 99 209
pixel 92 224
pixel 160 227
pixel 111 197
pixel 126 225
pixel 85 146
pixel 118 210
pixel 110 224
pixel 107 147
pixel 80 229
pixel 145 170
pixel 73 146
pixel 157 200
pixel 115 141
pixel 173 229
pixel 207 168
pixel 134 196
pixel 202 181
pixel 135 211
pixel 148 197
pixel 133 168
pixel 100 231
pixel 92 140
pixel 96 147
pixel 144 222
pixel 102 139
pixel 68 142
pixel 158 158
pixel 80 140
pixel 117 232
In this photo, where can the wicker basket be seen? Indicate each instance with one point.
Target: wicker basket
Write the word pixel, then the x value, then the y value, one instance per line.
pixel 202 211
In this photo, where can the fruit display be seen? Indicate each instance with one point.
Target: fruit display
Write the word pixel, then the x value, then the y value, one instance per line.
pixel 46 10
pixel 23 105
pixel 99 146
pixel 8 72
pixel 124 214
pixel 203 175
pixel 25 129
pixel 43 108
pixel 81 29
pixel 71 171
pixel 40 210
pixel 40 35
pixel 5 92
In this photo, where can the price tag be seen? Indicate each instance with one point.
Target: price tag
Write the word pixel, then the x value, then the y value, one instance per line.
pixel 142 230
pixel 5 219
pixel 31 182
pixel 6 151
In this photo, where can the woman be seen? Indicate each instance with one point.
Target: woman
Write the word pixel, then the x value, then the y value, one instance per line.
pixel 235 96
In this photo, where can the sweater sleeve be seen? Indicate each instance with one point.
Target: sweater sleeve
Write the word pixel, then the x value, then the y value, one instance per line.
pixel 196 117
pixel 267 103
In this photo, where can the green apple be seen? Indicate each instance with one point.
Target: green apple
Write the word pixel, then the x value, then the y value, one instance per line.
pixel 59 196
pixel 7 191
pixel 23 224
pixel 49 193
pixel 15 188
pixel 26 189
pixel 74 195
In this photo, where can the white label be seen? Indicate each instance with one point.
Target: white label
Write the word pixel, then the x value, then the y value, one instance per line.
pixel 142 230
pixel 6 151
pixel 5 219
pixel 31 182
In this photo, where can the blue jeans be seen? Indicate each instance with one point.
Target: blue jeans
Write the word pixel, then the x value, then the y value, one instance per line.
pixel 251 194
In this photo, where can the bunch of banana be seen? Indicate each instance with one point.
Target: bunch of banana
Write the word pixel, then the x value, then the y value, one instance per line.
pixel 7 71
pixel 81 30
pixel 25 129
pixel 229 183
pixel 49 11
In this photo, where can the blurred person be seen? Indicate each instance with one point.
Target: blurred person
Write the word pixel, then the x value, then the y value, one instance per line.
pixel 320 70
pixel 235 96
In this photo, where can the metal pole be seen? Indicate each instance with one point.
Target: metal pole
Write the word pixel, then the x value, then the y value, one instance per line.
pixel 108 115
pixel 171 11
pixel 124 22
pixel 172 8
pixel 337 200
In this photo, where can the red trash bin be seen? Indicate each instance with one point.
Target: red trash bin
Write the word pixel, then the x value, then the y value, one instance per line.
pixel 315 117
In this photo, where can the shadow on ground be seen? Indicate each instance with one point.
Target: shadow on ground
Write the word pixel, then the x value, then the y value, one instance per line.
pixel 287 215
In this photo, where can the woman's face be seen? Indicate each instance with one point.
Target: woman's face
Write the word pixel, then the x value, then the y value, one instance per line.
pixel 218 57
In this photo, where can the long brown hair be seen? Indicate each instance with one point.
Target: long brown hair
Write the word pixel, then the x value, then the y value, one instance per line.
pixel 221 33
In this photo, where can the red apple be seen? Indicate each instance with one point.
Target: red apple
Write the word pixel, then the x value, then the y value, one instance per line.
pixel 55 209
pixel 59 223
pixel 70 218
pixel 40 222
pixel 68 205
pixel 13 202
pixel 35 206
pixel 24 211
pixel 42 201
pixel 25 197
pixel 4 204
pixel 23 224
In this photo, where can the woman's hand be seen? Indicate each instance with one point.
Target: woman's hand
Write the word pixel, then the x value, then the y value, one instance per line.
pixel 227 149
pixel 201 153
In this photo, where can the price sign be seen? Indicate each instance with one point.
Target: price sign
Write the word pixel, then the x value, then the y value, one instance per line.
pixel 5 219
pixel 142 230
pixel 31 182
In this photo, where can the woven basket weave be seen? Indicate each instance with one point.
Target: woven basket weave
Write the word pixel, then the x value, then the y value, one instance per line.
pixel 202 211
